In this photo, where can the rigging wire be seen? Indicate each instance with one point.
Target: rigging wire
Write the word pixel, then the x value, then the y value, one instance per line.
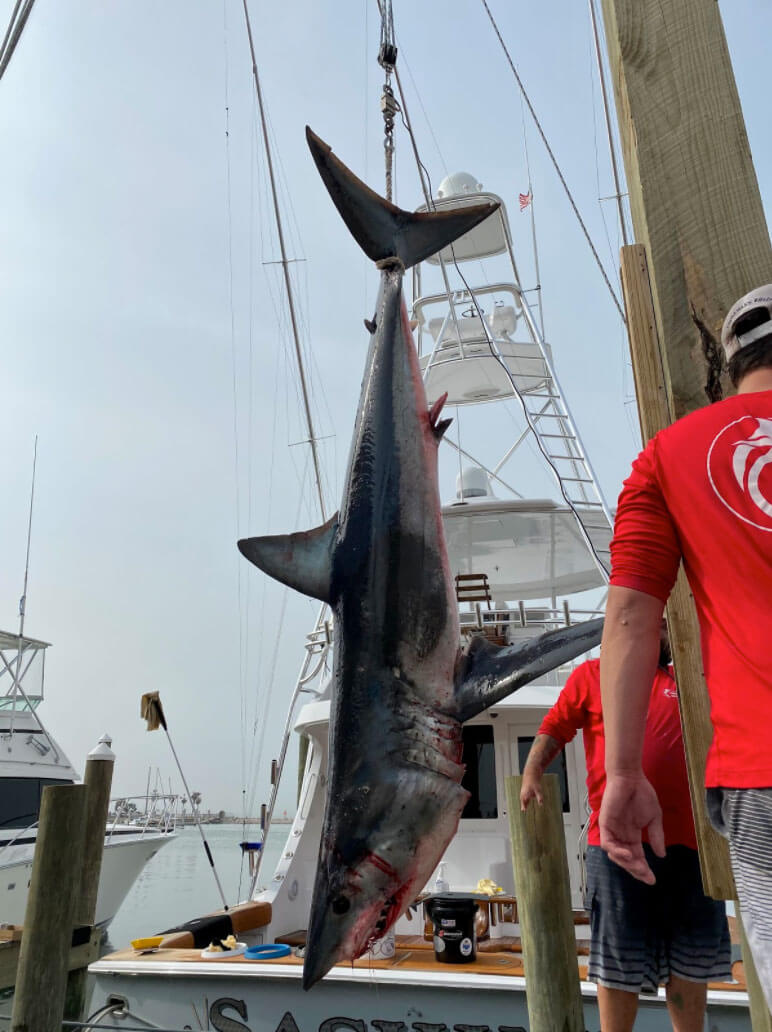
pixel 556 166
pixel 21 12
pixel 285 268
pixel 426 185
pixel 243 604
pixel 607 114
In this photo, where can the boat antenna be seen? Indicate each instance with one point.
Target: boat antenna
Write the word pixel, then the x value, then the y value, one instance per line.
pixel 312 438
pixel 23 600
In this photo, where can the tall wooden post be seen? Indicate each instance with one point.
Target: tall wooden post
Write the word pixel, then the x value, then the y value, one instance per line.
pixel 655 413
pixel 41 976
pixel 544 910
pixel 694 196
pixel 697 213
pixel 98 780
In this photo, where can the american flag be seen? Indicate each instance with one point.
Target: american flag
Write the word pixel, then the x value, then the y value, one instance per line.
pixel 525 200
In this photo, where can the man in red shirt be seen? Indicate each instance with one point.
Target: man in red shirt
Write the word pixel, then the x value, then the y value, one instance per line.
pixel 641 935
pixel 701 491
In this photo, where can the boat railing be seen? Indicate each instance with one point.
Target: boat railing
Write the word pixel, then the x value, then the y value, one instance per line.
pixel 17 836
pixel 512 622
pixel 159 813
pixel 318 643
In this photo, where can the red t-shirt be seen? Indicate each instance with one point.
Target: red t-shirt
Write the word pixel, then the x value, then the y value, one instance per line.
pixel 702 490
pixel 578 708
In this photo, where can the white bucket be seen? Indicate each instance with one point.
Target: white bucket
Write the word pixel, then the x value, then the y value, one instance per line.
pixel 383 948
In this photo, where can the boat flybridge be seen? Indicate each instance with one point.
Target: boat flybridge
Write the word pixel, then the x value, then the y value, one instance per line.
pixel 522 565
pixel 31 759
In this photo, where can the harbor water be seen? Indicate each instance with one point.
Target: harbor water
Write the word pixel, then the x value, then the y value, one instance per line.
pixel 177 884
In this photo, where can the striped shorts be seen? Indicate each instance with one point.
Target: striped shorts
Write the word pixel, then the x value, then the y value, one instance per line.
pixel 642 934
pixel 744 816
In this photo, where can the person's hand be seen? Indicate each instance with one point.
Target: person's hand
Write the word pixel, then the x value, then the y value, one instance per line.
pixel 629 806
pixel 530 789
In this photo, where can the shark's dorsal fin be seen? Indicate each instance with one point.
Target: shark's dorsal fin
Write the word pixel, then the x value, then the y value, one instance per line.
pixel 302 560
pixel 382 229
pixel 439 426
pixel 486 673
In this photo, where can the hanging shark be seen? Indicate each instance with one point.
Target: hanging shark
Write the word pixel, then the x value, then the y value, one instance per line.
pixel 402 687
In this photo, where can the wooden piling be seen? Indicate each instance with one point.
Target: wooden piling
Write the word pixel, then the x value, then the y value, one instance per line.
pixel 98 779
pixel 761 1019
pixel 649 363
pixel 544 910
pixel 45 947
pixel 655 413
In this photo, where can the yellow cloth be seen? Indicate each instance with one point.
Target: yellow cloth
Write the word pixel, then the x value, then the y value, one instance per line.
pixel 151 710
pixel 488 886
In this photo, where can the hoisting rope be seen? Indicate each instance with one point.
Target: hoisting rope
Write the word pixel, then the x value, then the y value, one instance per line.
pixel 427 190
pixel 387 59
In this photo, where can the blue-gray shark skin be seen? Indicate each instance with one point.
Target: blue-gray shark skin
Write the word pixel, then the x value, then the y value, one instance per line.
pixel 402 688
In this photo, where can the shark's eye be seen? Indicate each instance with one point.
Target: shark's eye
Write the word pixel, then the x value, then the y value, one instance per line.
pixel 340 905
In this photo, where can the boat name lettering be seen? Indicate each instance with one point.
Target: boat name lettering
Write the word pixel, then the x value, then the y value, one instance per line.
pixel 222 1022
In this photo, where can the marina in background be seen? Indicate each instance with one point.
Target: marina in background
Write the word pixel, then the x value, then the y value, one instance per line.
pixel 178 882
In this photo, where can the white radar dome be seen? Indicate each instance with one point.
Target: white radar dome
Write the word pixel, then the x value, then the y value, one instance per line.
pixel 458 183
pixel 473 482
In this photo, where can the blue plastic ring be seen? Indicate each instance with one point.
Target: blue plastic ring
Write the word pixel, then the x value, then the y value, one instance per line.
pixel 270 951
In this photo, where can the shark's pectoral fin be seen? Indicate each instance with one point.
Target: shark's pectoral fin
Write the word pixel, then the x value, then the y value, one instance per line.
pixel 486 673
pixel 302 560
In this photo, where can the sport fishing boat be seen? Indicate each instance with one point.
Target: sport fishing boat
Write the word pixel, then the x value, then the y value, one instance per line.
pixel 521 566
pixel 32 759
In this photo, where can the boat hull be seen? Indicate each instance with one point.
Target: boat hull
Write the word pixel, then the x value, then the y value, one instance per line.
pixel 122 862
pixel 244 997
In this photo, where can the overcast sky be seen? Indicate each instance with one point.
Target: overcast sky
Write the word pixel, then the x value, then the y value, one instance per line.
pixel 145 343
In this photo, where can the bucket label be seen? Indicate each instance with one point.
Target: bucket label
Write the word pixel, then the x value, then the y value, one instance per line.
pixel 448 922
pixel 465 947
pixel 439 944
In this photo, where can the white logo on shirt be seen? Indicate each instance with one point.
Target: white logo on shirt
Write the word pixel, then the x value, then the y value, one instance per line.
pixel 740 469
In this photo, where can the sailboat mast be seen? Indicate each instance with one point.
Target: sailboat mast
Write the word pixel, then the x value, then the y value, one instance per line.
pixel 285 269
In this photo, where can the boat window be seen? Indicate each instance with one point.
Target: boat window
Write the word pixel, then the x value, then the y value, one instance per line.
pixel 558 766
pixel 480 775
pixel 20 704
pixel 20 800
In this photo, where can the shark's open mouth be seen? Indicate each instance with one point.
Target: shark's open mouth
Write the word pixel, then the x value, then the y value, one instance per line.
pixel 376 922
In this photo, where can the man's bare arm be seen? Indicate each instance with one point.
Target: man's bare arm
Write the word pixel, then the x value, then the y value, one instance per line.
pixel 628 664
pixel 543 751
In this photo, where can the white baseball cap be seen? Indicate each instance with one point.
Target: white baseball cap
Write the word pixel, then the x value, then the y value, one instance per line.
pixel 748 320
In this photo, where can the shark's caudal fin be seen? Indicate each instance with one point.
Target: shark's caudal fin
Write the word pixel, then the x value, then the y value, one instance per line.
pixel 382 229
pixel 302 560
pixel 487 673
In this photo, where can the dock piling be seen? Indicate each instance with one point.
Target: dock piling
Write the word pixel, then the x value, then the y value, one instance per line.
pixel 41 976
pixel 98 779
pixel 544 909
